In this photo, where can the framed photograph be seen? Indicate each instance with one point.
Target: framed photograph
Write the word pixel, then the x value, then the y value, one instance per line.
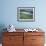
pixel 26 14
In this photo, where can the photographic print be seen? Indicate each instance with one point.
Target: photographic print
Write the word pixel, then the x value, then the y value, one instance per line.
pixel 26 14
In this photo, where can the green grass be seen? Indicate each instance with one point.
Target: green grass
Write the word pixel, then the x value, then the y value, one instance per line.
pixel 26 16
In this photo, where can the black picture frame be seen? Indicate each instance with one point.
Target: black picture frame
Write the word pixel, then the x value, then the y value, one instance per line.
pixel 26 14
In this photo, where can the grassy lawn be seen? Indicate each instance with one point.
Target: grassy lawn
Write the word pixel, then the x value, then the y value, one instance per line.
pixel 25 16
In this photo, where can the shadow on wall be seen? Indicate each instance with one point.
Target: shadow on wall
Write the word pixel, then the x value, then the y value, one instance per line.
pixel 2 26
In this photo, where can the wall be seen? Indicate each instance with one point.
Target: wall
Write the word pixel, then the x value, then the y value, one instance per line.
pixel 9 13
